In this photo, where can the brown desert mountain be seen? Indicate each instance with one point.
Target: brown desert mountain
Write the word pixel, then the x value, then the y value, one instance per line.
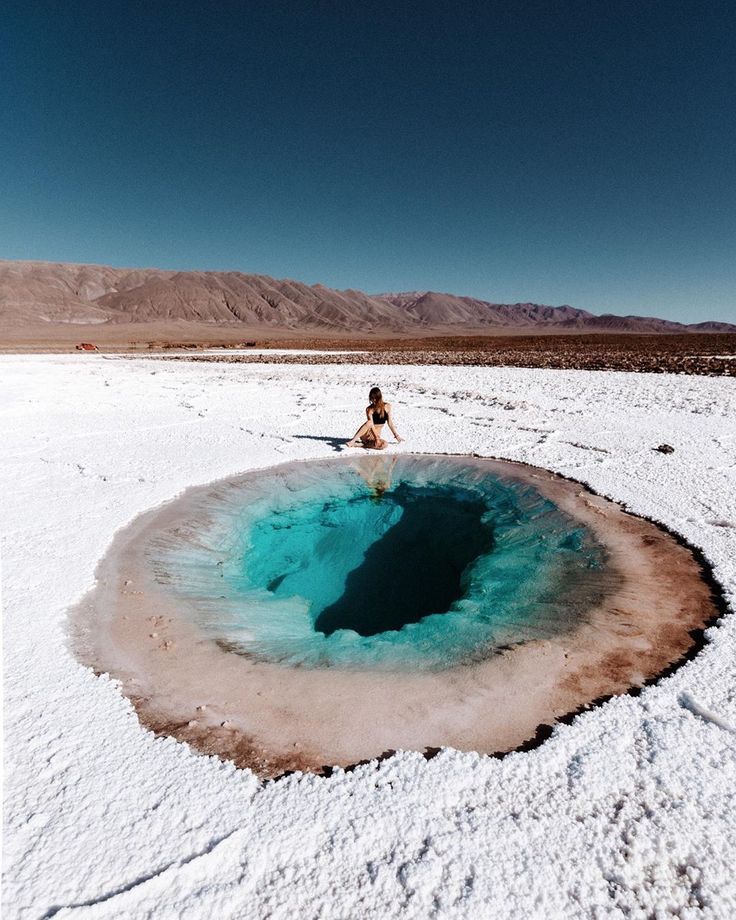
pixel 44 294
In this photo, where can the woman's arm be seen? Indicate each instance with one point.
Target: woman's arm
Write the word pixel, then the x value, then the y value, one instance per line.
pixel 390 420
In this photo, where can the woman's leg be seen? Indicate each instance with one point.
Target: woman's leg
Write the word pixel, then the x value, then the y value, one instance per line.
pixel 360 433
pixel 372 442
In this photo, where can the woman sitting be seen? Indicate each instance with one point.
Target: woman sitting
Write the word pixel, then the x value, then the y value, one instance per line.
pixel 377 414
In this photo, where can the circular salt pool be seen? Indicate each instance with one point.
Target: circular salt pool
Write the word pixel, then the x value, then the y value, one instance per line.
pixel 329 611
pixel 403 562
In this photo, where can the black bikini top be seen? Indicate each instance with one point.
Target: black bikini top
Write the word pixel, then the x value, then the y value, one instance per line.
pixel 379 419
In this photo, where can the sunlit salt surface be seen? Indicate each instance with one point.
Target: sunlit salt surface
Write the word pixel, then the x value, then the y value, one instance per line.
pixel 376 562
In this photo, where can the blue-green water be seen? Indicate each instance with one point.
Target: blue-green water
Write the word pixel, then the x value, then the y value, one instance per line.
pixel 378 562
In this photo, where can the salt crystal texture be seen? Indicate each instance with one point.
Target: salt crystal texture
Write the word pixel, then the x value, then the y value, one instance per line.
pixel 626 812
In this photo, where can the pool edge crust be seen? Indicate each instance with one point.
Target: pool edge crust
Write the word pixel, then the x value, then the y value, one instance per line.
pixel 494 706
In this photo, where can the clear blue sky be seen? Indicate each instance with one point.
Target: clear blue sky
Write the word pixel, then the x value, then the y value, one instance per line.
pixel 559 152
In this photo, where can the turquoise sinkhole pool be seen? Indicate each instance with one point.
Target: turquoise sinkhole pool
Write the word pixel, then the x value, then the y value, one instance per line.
pixel 404 562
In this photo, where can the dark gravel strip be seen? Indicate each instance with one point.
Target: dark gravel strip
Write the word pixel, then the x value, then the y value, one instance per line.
pixel 595 359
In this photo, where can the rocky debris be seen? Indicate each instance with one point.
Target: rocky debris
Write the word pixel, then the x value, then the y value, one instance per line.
pixel 665 449
pixel 701 354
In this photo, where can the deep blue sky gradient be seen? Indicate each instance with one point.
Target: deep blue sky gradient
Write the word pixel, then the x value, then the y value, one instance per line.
pixel 559 152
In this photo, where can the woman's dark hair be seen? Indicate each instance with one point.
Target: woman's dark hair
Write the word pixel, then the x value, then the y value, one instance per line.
pixel 376 399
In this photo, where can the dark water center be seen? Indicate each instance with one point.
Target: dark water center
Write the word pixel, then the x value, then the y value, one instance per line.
pixel 414 568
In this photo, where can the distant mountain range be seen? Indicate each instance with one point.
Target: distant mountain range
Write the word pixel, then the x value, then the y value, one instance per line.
pixel 36 293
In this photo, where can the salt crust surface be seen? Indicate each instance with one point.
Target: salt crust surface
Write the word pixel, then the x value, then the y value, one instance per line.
pixel 627 812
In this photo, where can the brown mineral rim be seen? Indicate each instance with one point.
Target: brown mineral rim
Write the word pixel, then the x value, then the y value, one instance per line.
pixel 273 718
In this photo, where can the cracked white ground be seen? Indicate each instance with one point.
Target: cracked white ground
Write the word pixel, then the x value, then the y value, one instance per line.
pixel 627 812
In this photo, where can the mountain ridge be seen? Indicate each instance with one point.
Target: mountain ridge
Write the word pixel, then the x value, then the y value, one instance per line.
pixel 84 294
